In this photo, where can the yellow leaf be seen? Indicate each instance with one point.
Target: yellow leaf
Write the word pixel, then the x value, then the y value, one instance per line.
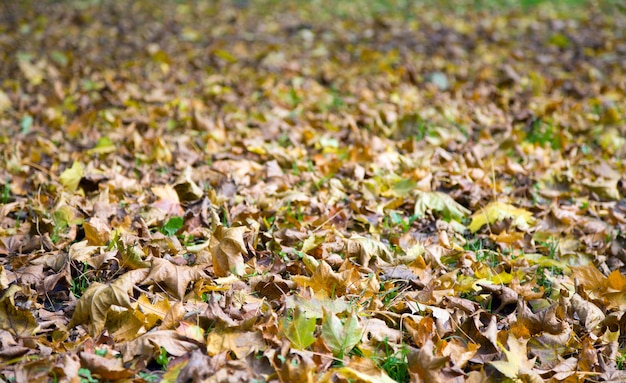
pixel 5 102
pixel 364 370
pixel 497 211
pixel 441 203
pixel 97 231
pixel 16 320
pixel 154 312
pixel 517 363
pixel 70 178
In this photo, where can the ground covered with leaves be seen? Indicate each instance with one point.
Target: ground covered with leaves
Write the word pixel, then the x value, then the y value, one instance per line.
pixel 359 191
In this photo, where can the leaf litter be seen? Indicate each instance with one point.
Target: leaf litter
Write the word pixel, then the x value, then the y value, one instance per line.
pixel 327 191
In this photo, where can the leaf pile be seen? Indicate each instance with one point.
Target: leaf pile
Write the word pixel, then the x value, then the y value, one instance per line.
pixel 312 191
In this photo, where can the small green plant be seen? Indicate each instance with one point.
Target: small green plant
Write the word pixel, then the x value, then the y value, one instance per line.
pixel 543 133
pixel 81 282
pixel 85 376
pixel 488 256
pixel 544 280
pixel 398 220
pixel 318 184
pixel 551 246
pixel 388 295
pixel 162 359
pixel 6 191
pixel 149 377
pixel 620 359
pixel 295 213
pixel 172 226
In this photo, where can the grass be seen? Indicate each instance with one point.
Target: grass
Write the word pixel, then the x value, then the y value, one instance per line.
pixel 544 133
pixel 6 192
pixel 394 363
pixel 620 359
pixel 81 282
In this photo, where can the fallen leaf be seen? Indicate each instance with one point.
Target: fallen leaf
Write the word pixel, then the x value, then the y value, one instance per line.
pixel 70 178
pixel 440 203
pixel 229 250
pixel 241 343
pixel 341 337
pixel 174 277
pixel 299 330
pixel 93 306
pixel 497 211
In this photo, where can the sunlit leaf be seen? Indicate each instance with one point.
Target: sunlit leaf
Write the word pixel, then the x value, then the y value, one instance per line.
pixel 300 329
pixel 440 203
pixel 341 337
pixel 70 178
pixel 497 211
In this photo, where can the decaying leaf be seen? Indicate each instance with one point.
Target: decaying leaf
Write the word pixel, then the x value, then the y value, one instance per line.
pixel 239 342
pixel 517 365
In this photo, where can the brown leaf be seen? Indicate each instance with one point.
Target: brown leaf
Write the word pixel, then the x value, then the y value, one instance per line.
pixel 93 306
pixel 174 277
pixel 589 314
pixel 110 368
pixel 241 343
pixel 425 366
pixel 186 188
pixel 16 320
pixel 167 200
pixel 229 250
pixel 97 231
pixel 148 345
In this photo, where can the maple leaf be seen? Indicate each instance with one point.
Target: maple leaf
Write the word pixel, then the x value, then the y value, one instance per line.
pixel 497 211
pixel 109 368
pixel 175 277
pixel 228 251
pixel 425 365
pixel 186 188
pixel 149 344
pixel 341 337
pixel 326 282
pixel 18 321
pixel 364 370
pixel 299 330
pixel 366 249
pixel 93 306
pixel 167 200
pixel 70 178
pixel 97 231
pixel 441 203
pixel 517 364
pixel 241 343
